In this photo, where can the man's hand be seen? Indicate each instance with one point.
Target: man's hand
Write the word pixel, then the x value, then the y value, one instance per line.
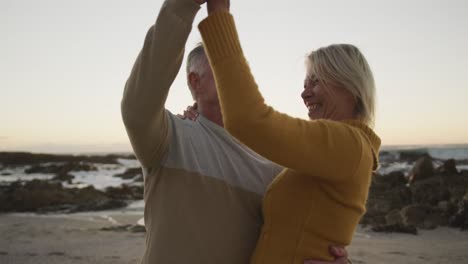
pixel 340 254
pixel 217 5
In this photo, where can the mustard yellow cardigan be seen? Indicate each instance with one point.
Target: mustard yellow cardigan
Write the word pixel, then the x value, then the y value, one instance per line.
pixel 319 200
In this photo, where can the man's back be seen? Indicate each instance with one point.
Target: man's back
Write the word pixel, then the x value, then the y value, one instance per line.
pixel 203 203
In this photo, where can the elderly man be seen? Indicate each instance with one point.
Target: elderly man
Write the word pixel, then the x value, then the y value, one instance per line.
pixel 203 189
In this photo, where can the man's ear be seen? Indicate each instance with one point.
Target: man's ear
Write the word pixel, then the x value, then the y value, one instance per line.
pixel 194 80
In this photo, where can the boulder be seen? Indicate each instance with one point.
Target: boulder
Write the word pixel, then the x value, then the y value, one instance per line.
pixel 125 192
pixel 448 167
pixel 382 200
pixel 399 228
pixel 394 217
pixel 422 169
pixel 390 180
pixel 65 177
pixel 12 159
pixel 421 216
pixel 413 155
pixel 125 228
pixel 130 173
pixel 430 191
pixel 415 214
pixel 460 218
pixel 45 196
pixel 61 169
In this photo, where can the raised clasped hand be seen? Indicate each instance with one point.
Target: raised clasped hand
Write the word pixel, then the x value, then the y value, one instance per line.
pixel 217 5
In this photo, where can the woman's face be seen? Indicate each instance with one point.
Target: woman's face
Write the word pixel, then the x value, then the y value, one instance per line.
pixel 331 102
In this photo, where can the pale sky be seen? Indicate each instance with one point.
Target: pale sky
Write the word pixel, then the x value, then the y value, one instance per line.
pixel 63 65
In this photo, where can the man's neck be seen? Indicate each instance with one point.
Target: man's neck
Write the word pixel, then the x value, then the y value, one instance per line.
pixel 211 112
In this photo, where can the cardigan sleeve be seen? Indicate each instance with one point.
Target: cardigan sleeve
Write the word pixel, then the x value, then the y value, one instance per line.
pixel 325 149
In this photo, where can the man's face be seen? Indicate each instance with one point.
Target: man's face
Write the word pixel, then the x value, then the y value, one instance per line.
pixel 208 94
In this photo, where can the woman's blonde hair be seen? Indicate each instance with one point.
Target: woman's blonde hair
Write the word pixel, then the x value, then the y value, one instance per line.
pixel 344 65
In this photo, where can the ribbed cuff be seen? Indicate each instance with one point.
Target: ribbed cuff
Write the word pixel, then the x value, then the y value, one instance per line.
pixel 220 36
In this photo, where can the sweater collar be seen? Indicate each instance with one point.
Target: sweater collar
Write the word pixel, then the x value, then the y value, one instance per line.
pixel 374 140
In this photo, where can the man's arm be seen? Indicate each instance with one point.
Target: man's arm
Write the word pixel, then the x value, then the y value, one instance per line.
pixel 154 71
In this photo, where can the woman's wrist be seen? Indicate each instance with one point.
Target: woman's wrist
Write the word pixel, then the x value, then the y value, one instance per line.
pixel 217 6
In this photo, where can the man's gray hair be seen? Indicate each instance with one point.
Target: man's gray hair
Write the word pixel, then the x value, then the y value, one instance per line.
pixel 197 61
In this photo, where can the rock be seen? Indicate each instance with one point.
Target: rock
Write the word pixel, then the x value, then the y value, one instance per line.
pixel 45 196
pixel 61 169
pixel 125 228
pixel 125 192
pixel 430 191
pixel 460 218
pixel 9 159
pixel 137 229
pixel 130 173
pixel 413 155
pixel 383 198
pixel 457 186
pixel 399 228
pixel 394 217
pixel 422 169
pixel 421 216
pixel 415 214
pixel 449 167
pixel 432 221
pixel 447 209
pixel 118 228
pixel 391 180
pixel 64 177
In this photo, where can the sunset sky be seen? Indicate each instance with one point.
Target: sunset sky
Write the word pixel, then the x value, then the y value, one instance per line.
pixel 64 65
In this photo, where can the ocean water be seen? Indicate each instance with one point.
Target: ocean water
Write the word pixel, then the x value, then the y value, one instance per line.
pixel 102 178
pixel 455 151
pixel 390 156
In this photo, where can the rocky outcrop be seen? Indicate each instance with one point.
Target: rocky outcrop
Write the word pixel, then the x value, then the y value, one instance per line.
pixel 460 218
pixel 125 228
pixel 412 155
pixel 131 173
pixel 448 167
pixel 125 192
pixel 435 197
pixel 44 196
pixel 422 169
pixel 61 169
pixel 12 159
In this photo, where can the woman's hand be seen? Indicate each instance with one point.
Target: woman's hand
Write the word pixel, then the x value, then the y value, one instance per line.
pixel 200 2
pixel 191 113
pixel 217 5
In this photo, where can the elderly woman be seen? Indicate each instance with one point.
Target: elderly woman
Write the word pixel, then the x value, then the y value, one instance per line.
pixel 330 158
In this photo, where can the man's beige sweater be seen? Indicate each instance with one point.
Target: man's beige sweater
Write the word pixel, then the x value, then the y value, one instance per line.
pixel 203 189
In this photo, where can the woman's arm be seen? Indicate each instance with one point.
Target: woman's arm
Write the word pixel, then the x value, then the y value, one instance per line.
pixel 327 149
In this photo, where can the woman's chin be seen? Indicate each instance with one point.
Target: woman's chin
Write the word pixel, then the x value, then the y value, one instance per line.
pixel 312 116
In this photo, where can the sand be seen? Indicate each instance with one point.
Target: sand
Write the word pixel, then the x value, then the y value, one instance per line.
pixel 76 238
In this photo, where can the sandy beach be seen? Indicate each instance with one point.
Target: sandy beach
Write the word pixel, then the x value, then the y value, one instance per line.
pixel 77 238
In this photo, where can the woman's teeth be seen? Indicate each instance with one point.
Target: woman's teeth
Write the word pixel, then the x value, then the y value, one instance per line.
pixel 312 107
